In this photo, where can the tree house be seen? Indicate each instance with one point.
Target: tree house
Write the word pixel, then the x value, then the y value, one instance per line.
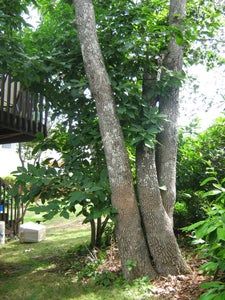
pixel 22 114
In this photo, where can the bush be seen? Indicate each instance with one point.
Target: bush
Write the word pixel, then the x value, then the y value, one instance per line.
pixel 189 208
pixel 195 151
pixel 209 235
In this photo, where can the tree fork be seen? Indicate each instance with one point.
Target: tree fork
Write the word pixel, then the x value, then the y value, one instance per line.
pixel 130 236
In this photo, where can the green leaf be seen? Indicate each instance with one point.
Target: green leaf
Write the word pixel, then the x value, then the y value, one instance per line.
pixel 77 197
pixel 205 229
pixel 35 190
pixel 213 284
pixel 179 40
pixel 209 267
pixel 96 188
pixel 204 182
pixel 221 233
pixel 149 144
pixel 211 193
pixel 65 214
pixel 207 296
pixel 219 187
pixel 193 226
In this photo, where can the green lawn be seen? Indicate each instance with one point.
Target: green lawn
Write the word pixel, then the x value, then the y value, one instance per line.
pixel 36 271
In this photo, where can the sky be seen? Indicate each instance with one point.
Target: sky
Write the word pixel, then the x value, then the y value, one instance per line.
pixel 208 102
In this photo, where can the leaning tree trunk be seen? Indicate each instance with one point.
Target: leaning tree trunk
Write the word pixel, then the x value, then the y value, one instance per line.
pixel 162 242
pixel 132 245
pixel 157 207
pixel 169 105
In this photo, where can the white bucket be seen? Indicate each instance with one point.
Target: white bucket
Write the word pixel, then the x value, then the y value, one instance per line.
pixel 2 232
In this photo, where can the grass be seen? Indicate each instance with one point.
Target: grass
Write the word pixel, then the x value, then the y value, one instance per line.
pixel 36 271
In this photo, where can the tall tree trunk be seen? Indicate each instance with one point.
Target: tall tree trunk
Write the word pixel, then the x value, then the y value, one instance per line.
pixel 162 243
pixel 169 105
pixel 156 206
pixel 131 241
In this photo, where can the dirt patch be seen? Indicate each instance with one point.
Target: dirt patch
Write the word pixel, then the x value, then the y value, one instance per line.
pixel 182 287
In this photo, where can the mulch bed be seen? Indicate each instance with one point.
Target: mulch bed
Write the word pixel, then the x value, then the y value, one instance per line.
pixel 183 287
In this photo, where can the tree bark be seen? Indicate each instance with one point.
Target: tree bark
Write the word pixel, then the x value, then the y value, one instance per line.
pixel 93 234
pixel 162 243
pixel 157 207
pixel 130 236
pixel 20 153
pixel 169 105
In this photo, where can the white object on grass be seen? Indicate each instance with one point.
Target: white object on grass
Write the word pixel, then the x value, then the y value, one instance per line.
pixel 2 233
pixel 32 232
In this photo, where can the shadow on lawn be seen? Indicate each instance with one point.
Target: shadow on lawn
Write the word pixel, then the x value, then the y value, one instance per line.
pixel 39 271
pixel 30 258
pixel 47 270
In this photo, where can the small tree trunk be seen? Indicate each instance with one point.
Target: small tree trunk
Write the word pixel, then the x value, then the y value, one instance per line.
pixel 93 234
pixel 131 241
pixel 20 152
pixel 99 233
pixel 162 243
pixel 169 105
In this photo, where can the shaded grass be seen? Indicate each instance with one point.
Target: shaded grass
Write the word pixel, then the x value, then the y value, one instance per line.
pixel 38 271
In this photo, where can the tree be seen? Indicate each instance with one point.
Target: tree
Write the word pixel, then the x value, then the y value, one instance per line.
pixel 130 235
pixel 141 74
pixel 156 216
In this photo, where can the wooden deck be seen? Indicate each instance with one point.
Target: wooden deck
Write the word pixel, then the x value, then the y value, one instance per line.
pixel 22 114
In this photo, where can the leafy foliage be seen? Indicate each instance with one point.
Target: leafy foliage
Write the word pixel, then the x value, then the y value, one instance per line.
pixel 77 178
pixel 198 154
pixel 209 235
pixel 11 27
pixel 133 37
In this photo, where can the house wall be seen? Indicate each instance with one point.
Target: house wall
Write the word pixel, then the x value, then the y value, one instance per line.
pixel 9 159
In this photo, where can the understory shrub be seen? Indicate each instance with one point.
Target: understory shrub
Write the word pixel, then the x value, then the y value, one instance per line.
pixel 197 153
pixel 209 236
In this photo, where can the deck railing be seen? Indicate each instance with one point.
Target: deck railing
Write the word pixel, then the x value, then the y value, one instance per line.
pixel 11 210
pixel 20 109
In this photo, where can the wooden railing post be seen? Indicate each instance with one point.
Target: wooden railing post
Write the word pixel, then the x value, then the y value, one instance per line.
pixel 22 113
pixel 2 95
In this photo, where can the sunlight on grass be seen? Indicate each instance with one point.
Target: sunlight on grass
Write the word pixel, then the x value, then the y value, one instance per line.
pixel 30 271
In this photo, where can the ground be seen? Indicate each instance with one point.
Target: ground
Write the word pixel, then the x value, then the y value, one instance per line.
pixel 31 271
pixel 45 270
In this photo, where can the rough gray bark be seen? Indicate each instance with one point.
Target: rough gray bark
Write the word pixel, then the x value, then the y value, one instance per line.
pixel 156 206
pixel 131 241
pixel 169 105
pixel 162 243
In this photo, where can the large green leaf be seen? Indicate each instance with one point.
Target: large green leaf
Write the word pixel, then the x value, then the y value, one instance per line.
pixel 77 196
pixel 204 182
pixel 221 233
pixel 212 193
